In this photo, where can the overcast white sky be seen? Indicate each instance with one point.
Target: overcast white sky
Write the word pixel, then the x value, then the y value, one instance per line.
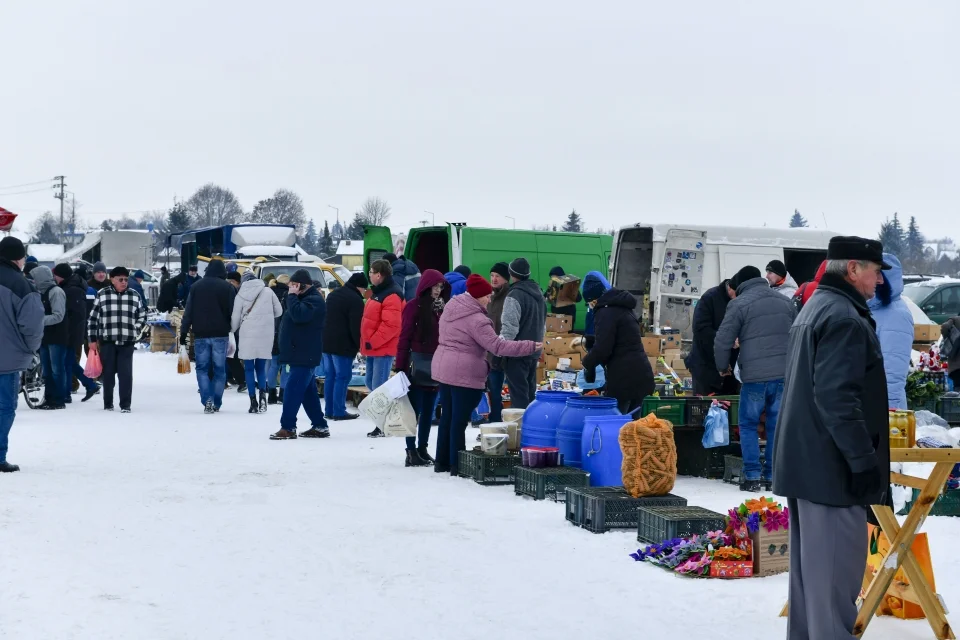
pixel 705 111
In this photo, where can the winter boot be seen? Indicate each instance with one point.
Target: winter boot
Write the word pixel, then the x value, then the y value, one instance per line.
pixel 376 433
pixel 422 452
pixel 413 460
pixel 752 486
pixel 6 467
pixel 92 391
pixel 283 434
pixel 209 408
pixel 254 407
pixel 263 402
pixel 272 396
pixel 316 432
pixel 241 388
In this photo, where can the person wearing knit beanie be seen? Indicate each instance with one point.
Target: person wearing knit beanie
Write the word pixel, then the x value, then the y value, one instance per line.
pixel 390 257
pixel 236 279
pixel 358 281
pixel 464 270
pixel 99 267
pixel 778 268
pixel 520 269
pixel 592 290
pixel 62 271
pixel 478 287
pixel 502 269
pixel 302 278
pixel 749 272
pixel 781 281
pixel 12 249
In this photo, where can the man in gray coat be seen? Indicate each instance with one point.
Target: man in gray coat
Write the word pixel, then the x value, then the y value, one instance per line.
pixel 832 444
pixel 760 319
pixel 524 317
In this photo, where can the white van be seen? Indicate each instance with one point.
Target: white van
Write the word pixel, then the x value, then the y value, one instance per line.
pixel 668 267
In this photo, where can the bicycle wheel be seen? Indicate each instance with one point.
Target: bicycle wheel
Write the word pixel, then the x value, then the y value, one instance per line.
pixel 32 384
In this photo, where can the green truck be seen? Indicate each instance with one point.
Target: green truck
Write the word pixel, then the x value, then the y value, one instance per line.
pixel 445 248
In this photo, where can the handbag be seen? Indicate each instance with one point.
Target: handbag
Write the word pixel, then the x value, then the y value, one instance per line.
pixel 421 369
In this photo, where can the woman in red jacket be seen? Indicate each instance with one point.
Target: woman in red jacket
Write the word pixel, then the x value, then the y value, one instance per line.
pixel 419 339
pixel 380 327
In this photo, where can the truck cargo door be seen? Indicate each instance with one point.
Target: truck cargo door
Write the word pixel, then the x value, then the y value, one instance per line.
pixel 680 279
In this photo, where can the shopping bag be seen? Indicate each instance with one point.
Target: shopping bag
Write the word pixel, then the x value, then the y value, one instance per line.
pixel 716 427
pixel 599 382
pixel 376 406
pixel 900 600
pixel 484 407
pixel 94 367
pixel 232 347
pixel 401 419
pixel 183 362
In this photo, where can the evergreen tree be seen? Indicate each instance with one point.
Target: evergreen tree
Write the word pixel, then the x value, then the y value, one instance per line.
pixel 797 220
pixel 45 234
pixel 892 236
pixel 309 241
pixel 178 218
pixel 574 223
pixel 325 243
pixel 914 248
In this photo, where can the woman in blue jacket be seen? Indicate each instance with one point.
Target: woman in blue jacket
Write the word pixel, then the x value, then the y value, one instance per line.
pixel 895 331
pixel 588 329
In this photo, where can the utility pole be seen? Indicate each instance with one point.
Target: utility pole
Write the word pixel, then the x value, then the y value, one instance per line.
pixel 514 220
pixel 60 196
pixel 433 217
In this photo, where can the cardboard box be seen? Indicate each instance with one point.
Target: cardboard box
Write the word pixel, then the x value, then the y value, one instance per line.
pixel 677 364
pixel 651 345
pixel 771 552
pixel 926 332
pixel 562 345
pixel 570 362
pixel 731 569
pixel 922 347
pixel 541 373
pixel 557 323
pixel 671 341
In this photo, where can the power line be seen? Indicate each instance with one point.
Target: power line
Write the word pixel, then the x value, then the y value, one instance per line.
pixel 20 193
pixel 25 184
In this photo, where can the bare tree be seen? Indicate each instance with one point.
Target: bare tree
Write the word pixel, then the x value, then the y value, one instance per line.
pixel 213 206
pixel 284 207
pixel 374 211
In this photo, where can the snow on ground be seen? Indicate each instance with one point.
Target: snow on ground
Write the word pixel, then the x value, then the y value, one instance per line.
pixel 167 523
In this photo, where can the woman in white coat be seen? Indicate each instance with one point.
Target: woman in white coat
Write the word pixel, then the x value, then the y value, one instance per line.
pixel 254 311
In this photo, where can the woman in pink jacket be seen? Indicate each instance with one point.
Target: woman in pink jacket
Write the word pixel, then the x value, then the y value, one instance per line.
pixel 460 365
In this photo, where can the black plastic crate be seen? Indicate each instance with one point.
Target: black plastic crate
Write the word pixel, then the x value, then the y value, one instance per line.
pixel 487 470
pixel 656 524
pixel 600 509
pixel 697 409
pixel 950 409
pixel 694 460
pixel 548 482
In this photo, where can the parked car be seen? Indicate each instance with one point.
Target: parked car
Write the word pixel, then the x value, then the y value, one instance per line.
pixel 331 275
pixel 939 298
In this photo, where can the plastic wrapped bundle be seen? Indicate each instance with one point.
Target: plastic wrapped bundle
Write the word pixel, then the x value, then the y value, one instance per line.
pixel 649 457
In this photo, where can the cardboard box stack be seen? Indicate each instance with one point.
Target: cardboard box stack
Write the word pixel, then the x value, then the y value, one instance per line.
pixel 562 350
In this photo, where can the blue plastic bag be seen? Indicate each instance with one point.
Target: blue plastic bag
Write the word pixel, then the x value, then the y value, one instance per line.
pixel 483 408
pixel 716 427
pixel 600 382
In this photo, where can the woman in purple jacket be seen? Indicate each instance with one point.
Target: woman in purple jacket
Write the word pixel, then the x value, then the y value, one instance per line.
pixel 460 365
pixel 419 338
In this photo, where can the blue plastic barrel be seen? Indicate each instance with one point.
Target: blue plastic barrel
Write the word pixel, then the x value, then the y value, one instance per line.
pixel 600 450
pixel 541 418
pixel 570 428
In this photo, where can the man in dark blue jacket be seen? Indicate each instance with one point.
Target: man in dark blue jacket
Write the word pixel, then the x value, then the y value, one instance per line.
pixel 301 350
pixel 21 330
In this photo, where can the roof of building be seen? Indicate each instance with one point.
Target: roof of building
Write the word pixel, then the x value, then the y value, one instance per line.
pixel 350 248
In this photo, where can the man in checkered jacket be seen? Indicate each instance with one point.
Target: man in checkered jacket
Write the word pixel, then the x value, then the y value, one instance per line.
pixel 114 327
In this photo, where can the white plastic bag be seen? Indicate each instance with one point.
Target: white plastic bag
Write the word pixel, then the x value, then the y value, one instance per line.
pixel 231 347
pixel 396 387
pixel 376 406
pixel 401 420
pixel 716 427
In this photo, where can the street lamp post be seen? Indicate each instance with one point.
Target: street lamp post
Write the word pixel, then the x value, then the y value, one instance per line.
pixel 433 217
pixel 514 220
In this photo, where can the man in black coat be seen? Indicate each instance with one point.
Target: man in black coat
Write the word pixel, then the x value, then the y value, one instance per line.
pixel 341 344
pixel 832 444
pixel 707 318
pixel 208 313
pixel 167 300
pixel 618 347
pixel 75 290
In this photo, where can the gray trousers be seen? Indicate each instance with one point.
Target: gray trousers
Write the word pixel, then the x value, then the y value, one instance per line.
pixel 521 375
pixel 828 554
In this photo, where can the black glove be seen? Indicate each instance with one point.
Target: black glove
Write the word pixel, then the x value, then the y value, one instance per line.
pixel 866 483
pixel 369 346
pixel 590 375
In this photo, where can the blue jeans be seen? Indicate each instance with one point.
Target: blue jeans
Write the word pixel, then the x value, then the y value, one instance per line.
pixel 495 384
pixel 378 370
pixel 9 389
pixel 73 369
pixel 339 371
pixel 301 389
pixel 273 371
pixel 456 403
pixel 755 398
pixel 54 375
pixel 319 371
pixel 254 371
pixel 211 351
pixel 424 403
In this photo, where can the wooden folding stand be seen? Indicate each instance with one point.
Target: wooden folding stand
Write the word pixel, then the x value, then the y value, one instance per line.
pixel 901 538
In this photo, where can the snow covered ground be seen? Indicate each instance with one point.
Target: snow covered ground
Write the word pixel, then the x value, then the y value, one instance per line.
pixel 166 523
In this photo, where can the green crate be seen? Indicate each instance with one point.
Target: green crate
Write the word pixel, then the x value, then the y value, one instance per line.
pixel 656 524
pixel 734 408
pixel 947 504
pixel 487 470
pixel 548 482
pixel 672 409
